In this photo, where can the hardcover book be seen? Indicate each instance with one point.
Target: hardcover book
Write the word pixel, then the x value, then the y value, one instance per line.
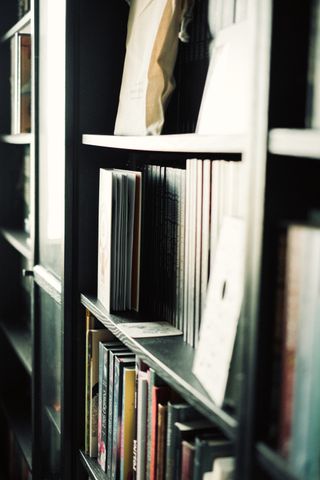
pixel 120 362
pixel 127 424
pixel 188 430
pixel 92 348
pixel 142 424
pixel 187 460
pixel 177 412
pixel 24 88
pixel 124 353
pixel 119 239
pixel 299 408
pixel 160 443
pixel 206 451
pixel 103 397
pixel 159 395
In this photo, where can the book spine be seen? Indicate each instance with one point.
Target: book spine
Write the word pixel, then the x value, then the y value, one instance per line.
pixel 87 394
pixel 142 423
pixel 110 414
pixel 117 404
pixel 134 452
pixel 304 453
pixel 198 251
pixel 127 424
pixel 162 418
pixel 153 442
pixel 104 409
pixel 151 375
pixel 100 396
pixel 292 280
pixel 172 417
pixel 187 248
pixel 205 248
pixel 187 459
pixel 182 215
pixel 105 237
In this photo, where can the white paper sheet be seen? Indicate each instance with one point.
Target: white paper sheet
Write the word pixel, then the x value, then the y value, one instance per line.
pixel 222 310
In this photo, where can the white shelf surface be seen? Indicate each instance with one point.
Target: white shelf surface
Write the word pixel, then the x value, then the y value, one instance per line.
pixel 189 142
pixel 297 143
pixel 17 139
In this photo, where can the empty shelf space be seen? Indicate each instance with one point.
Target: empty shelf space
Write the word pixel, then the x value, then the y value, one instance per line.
pixel 297 143
pixel 20 339
pixel 20 423
pixel 189 142
pixel 19 239
pixel 172 358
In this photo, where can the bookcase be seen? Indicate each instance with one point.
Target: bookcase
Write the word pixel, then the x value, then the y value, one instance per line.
pixel 49 190
pixel 17 236
pixel 32 154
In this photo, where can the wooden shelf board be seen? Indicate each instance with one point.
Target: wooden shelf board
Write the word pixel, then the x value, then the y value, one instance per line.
pixel 92 467
pixel 172 358
pixel 19 239
pixel 20 425
pixel 48 282
pixel 17 139
pixel 21 341
pixel 273 463
pixel 189 142
pixel 297 143
pixel 22 23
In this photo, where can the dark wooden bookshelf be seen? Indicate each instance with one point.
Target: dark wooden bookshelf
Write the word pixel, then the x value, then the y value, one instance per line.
pixel 172 358
pixel 92 467
pixel 295 143
pixel 273 463
pixel 19 239
pixel 17 154
pixel 274 150
pixel 20 424
pixel 20 339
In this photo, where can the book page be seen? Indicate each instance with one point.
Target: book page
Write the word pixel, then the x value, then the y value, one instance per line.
pixel 222 309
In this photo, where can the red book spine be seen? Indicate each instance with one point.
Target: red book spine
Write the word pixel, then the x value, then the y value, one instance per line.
pixel 187 456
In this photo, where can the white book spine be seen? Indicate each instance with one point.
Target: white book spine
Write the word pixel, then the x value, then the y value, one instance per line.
pixel 104 238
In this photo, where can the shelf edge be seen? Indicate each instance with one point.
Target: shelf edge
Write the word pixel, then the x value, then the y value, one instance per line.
pixel 18 240
pixel 296 143
pixel 177 143
pixel 17 27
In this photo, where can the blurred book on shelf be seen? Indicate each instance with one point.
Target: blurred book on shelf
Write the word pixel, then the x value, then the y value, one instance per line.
pixel 298 358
